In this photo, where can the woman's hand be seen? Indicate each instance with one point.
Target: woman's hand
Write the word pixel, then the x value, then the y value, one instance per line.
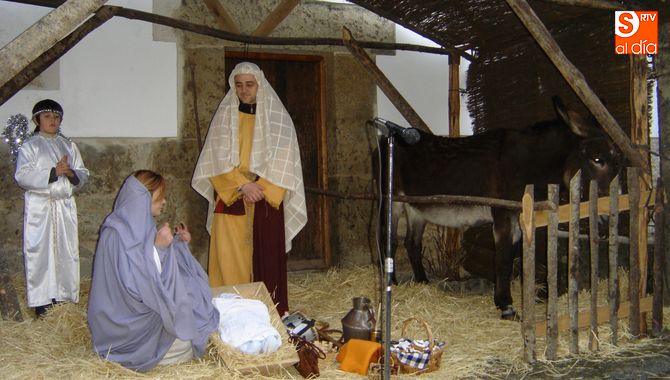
pixel 182 232
pixel 163 236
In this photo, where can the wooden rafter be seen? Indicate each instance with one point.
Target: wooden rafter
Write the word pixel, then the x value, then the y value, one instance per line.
pixel 222 17
pixel 42 35
pixel 133 14
pixel 384 83
pixel 275 41
pixel 275 18
pixel 577 82
pixel 46 59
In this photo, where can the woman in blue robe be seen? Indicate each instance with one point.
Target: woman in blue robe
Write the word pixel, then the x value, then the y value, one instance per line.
pixel 150 302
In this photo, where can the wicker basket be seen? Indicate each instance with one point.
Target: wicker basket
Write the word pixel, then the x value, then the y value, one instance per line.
pixel 435 352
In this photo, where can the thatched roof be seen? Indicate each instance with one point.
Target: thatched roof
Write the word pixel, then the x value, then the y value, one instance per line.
pixel 511 80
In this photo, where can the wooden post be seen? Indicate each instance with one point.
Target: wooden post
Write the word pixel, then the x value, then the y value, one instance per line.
pixel 528 229
pixel 634 253
pixel 454 96
pixel 383 82
pixel 454 235
pixel 613 251
pixel 552 274
pixel 659 253
pixel 275 18
pixel 573 261
pixel 43 34
pixel 36 67
pixel 639 113
pixel 322 135
pixel 662 69
pixel 576 81
pixel 153 18
pixel 639 135
pixel 593 240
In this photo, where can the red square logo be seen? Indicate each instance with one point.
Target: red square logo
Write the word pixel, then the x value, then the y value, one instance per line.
pixel 635 32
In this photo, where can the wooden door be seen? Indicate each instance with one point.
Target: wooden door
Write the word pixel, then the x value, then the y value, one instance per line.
pixel 298 81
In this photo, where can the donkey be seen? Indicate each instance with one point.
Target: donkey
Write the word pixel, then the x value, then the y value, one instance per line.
pixel 498 163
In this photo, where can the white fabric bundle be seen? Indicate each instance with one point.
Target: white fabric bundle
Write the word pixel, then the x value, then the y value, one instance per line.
pixel 245 324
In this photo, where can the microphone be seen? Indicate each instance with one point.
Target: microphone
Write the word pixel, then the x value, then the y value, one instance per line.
pixel 388 128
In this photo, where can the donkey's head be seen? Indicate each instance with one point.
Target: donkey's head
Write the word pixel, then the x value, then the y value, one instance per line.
pixel 595 153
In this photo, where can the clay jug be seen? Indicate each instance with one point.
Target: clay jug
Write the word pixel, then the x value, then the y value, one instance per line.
pixel 359 321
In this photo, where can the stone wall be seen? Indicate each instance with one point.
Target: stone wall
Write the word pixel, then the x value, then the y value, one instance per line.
pixel 350 100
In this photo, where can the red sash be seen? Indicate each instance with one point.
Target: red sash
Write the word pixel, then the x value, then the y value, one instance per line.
pixel 237 208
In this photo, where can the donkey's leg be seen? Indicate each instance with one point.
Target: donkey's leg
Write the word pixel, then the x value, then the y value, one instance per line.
pixel 503 233
pixel 416 224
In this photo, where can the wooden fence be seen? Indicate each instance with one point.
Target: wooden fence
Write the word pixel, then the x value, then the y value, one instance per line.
pixel 533 216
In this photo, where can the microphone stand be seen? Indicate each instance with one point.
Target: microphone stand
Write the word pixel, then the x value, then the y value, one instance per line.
pixel 389 260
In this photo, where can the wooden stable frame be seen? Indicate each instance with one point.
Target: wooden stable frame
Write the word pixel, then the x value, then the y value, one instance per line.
pixel 637 303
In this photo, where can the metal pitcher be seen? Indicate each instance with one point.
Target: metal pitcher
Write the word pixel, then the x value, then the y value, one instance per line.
pixel 359 321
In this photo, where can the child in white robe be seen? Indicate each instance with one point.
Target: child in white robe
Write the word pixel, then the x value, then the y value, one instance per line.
pixel 49 168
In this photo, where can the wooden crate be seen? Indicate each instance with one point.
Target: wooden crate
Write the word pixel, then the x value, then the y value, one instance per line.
pixel 263 364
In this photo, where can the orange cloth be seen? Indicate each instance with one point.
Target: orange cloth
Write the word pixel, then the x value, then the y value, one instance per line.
pixel 356 355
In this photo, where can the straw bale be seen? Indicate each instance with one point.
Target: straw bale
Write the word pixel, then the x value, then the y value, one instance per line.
pixel 478 343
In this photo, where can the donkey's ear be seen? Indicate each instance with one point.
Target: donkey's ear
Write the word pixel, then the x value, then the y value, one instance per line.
pixel 577 123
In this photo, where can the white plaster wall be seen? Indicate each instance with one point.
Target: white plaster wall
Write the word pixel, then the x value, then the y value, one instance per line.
pixel 423 80
pixel 117 82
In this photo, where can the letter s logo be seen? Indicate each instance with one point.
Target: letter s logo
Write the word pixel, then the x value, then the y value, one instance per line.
pixel 626 23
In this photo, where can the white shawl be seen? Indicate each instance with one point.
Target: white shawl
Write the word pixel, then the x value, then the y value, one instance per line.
pixel 275 154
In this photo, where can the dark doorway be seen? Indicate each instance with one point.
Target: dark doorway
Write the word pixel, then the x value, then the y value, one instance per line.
pixel 298 80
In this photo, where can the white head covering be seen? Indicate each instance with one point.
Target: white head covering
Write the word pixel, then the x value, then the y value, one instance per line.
pixel 275 154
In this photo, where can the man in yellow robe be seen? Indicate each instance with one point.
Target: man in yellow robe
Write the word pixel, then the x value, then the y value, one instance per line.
pixel 250 172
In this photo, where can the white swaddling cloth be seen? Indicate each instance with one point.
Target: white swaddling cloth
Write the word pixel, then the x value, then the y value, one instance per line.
pixel 245 324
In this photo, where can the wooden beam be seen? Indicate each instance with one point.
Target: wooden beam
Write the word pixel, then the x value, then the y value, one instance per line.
pixel 613 294
pixel 634 327
pixel 552 275
pixel 594 342
pixel 235 37
pixel 646 199
pixel 275 18
pixel 659 257
pixel 584 316
pixel 383 82
pixel 42 35
pixel 576 81
pixel 50 56
pixel 526 223
pixel 222 17
pixel 573 263
pixel 639 135
pixel 275 41
pixel 454 96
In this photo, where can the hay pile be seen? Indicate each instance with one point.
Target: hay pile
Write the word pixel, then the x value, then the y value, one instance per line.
pixel 477 341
